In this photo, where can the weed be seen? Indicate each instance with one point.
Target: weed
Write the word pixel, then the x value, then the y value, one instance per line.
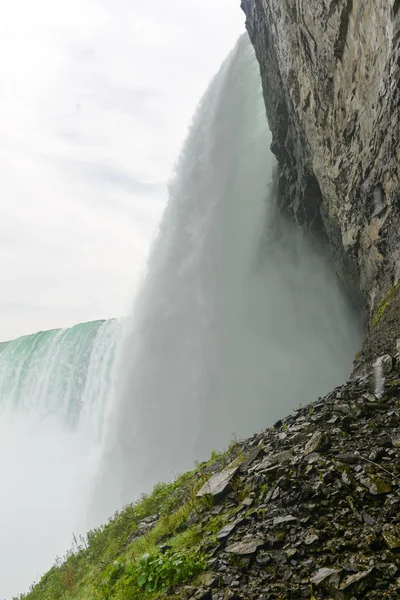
pixel 157 572
pixel 264 489
pixel 239 490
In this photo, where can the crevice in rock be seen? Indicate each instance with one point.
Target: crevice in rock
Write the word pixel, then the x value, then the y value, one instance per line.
pixel 312 202
pixel 343 29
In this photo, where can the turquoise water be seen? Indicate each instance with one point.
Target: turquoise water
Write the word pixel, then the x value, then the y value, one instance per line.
pixel 65 373
pixel 54 390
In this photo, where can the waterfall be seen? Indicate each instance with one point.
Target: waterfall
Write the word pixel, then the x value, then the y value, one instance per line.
pixel 53 389
pixel 63 373
pixel 239 320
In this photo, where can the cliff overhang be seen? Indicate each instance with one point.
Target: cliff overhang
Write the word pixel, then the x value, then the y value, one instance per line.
pixel 330 75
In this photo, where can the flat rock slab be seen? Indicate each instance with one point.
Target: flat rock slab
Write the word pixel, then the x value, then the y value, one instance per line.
pixel 253 455
pixel 219 484
pixel 245 547
pixel 275 459
pixel 283 520
pixel 368 519
pixel 375 485
pixel 227 530
pixel 359 580
pixel 319 441
pixel 324 575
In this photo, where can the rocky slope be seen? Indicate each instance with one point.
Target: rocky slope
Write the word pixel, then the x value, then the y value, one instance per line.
pixel 330 73
pixel 313 511
pixel 307 509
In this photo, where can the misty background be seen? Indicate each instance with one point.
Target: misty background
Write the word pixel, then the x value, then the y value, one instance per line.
pixel 95 101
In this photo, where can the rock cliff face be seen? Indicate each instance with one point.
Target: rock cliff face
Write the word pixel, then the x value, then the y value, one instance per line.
pixel 330 73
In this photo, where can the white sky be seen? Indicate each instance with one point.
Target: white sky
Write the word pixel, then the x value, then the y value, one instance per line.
pixel 95 100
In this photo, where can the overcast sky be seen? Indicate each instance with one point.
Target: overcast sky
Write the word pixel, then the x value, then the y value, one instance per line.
pixel 95 100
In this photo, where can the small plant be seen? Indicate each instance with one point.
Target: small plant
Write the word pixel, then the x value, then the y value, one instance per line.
pixel 188 539
pixel 234 444
pixel 264 489
pixel 239 490
pixel 206 502
pixel 156 572
pixel 111 575
pixel 216 455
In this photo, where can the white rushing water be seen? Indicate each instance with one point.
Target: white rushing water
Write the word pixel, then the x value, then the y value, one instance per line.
pixel 234 326
pixel 53 390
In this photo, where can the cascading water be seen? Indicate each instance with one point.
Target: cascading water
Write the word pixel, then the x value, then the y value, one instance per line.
pixel 53 389
pixel 232 328
pixel 63 373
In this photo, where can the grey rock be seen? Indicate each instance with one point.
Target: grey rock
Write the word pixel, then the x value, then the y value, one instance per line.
pixel 368 519
pixel 208 579
pixel 311 538
pixel 360 581
pixel 263 558
pixel 202 594
pixel 143 527
pixel 318 442
pixel 217 510
pixel 245 547
pixel 276 459
pixel 253 455
pixel 283 520
pixel 375 485
pixel 346 478
pixel 219 484
pixel 247 502
pixel 226 531
pixel 323 575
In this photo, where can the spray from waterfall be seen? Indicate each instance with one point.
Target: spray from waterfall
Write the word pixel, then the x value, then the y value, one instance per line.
pixel 235 325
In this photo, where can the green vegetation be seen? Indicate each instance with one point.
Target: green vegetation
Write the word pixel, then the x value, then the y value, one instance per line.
pixel 384 304
pixel 146 549
pixel 239 490
pixel 152 574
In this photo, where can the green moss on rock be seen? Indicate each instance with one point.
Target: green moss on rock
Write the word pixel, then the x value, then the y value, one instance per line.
pixel 385 303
